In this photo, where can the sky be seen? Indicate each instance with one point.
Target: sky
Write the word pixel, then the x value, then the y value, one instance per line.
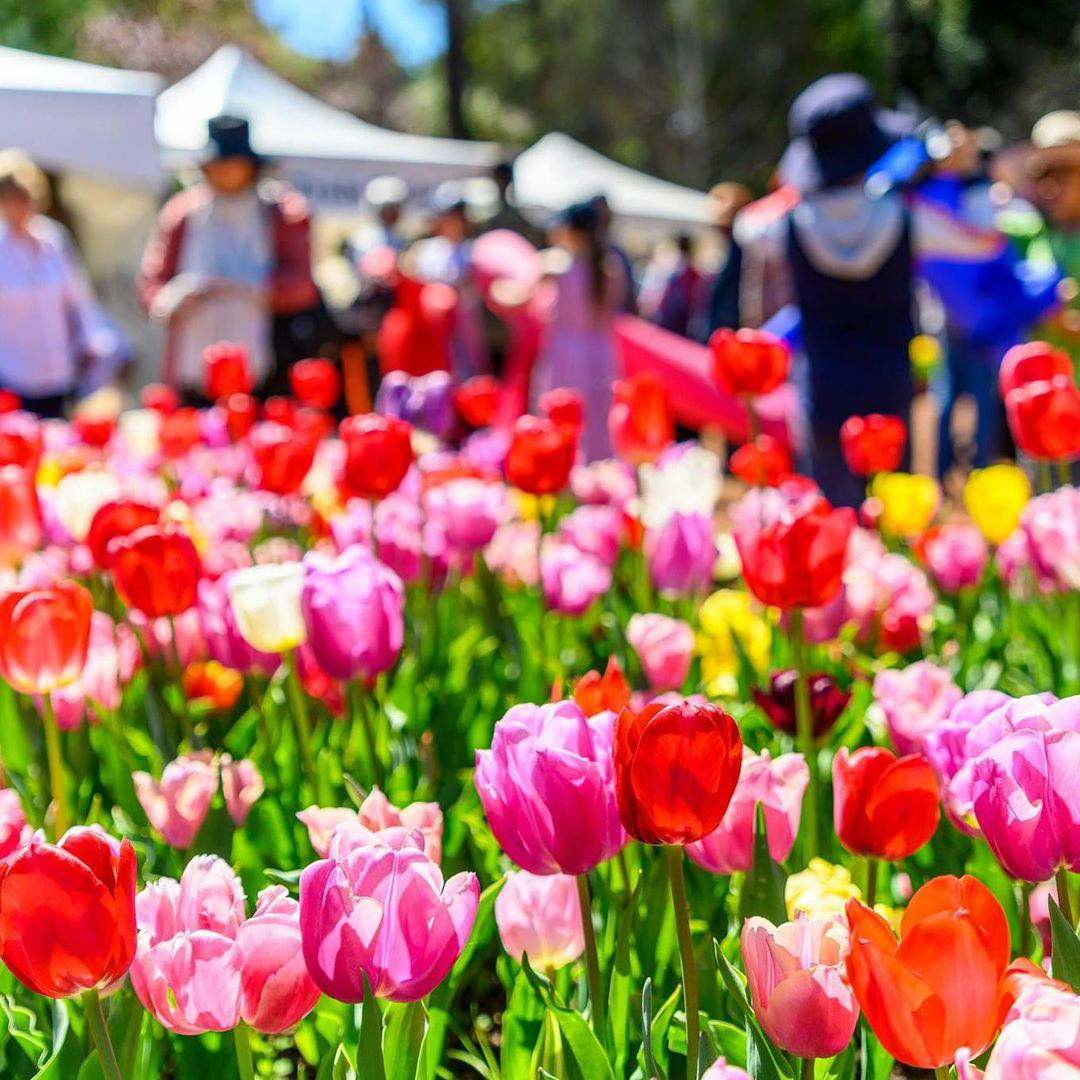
pixel 413 29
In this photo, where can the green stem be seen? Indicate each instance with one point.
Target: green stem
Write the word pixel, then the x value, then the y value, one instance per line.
pixel 804 725
pixel 178 667
pixel 1063 474
pixel 674 856
pixel 592 956
pixel 1045 483
pixel 942 1072
pixel 1064 900
pixel 1026 935
pixel 808 1069
pixel 360 707
pixel 243 1051
pixel 871 882
pixel 298 708
pixel 56 768
pixel 100 1030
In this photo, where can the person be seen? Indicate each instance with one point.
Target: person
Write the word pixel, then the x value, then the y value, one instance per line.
pixel 386 196
pixel 228 256
pixel 671 291
pixel 606 218
pixel 51 327
pixel 588 286
pixel 721 310
pixel 507 215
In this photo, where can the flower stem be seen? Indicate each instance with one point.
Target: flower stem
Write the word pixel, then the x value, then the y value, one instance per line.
pixel 1063 474
pixel 243 1051
pixel 871 882
pixel 942 1072
pixel 1064 900
pixel 592 956
pixel 100 1030
pixel 360 708
pixel 808 1069
pixel 1026 935
pixel 674 856
pixel 804 726
pixel 298 708
pixel 56 768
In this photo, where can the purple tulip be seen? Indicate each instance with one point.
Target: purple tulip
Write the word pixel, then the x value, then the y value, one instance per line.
pixel 681 553
pixel 224 642
pixel 571 579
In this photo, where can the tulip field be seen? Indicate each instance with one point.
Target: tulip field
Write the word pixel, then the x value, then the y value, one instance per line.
pixel 409 745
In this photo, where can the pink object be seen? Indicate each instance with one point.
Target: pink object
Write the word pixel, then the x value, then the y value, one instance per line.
pixel 572 580
pixel 383 913
pixel 1041 1037
pixel 399 524
pixel 224 642
pixel 957 555
pixel 468 511
pixel 778 784
pixel 13 828
pixel 539 915
pixel 548 788
pixel 888 598
pixel 721 1070
pixel 241 784
pixel 797 985
pixel 512 553
pixel 681 553
pixel 594 530
pixel 664 646
pixel 915 700
pixel 177 804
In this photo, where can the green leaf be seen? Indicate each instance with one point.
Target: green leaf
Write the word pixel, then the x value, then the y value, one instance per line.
pixel 732 980
pixel 877 1061
pixel 656 1033
pixel 728 1041
pixel 91 1068
pixel 64 1056
pixel 841 1067
pixel 763 890
pixel 404 1026
pixel 369 1051
pixel 762 1062
pixel 619 991
pixel 522 1023
pixel 651 1068
pixel 1065 954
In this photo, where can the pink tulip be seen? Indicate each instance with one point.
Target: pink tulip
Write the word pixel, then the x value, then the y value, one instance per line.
pixel 548 788
pixel 224 642
pixel 241 784
pixel 177 804
pixel 721 1070
pixel 957 555
pixel 1026 800
pixel 1041 1037
pixel 322 821
pixel 399 524
pixel 915 700
pixel 572 580
pixel 594 530
pixel 797 984
pixel 887 597
pixel 1051 526
pixel 13 829
pixel 609 482
pixel 468 511
pixel 681 553
pixel 539 916
pixel 384 914
pixel 778 785
pixel 512 553
pixel 665 648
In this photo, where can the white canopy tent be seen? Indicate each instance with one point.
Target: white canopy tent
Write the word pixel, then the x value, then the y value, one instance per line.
pixel 326 153
pixel 558 171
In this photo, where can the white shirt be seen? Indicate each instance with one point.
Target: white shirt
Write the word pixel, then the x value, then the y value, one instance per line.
pixel 46 310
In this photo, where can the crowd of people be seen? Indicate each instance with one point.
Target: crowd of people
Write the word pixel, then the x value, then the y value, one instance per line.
pixel 876 233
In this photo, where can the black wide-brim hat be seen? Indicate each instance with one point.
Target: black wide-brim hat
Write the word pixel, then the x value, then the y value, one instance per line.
pixel 837 132
pixel 229 137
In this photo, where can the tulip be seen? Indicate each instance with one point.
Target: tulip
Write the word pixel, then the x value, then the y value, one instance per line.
pixel 749 362
pixel 800 996
pixel 20 439
pixel 820 891
pixel 1044 418
pixel 873 444
pixel 359 919
pixel 572 581
pixel 315 382
pixel 156 570
pixel 595 693
pixel 241 413
pixel 687 479
pixel 762 462
pixel 78 498
pixel 241 784
pixel 827 701
pixel 13 830
pixel 282 457
pixel 217 624
pixel 721 1070
pixel 908 502
pixel 44 636
pixel 67 913
pixel 610 482
pixel 639 420
pixel 95 431
pixel 956 555
pixel 778 785
pixel 477 399
pixel 915 700
pixel 177 804
pixel 566 408
pixel 179 433
pixel 888 598
pixel 115 519
pixel 353 608
pixel 594 530
pixel 681 553
pixel 936 989
pixel 378 453
pixel 731 629
pixel 20 515
pixel 541 456
pixel 1039 1040
pixel 540 916
pixel 994 498
pixel 227 372
pixel 159 398
pixel 468 510
pixel 884 807
pixel 664 647
pixel 1032 361
pixel 211 684
pixel 547 788
pixel 266 602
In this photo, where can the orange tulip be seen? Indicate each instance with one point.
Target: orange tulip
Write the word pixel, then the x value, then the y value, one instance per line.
pixel 20 514
pixel 938 988
pixel 44 636
pixel 595 693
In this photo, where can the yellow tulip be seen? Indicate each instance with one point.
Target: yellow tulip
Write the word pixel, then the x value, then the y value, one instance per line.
pixel 995 497
pixel 726 615
pixel 266 602
pixel 822 890
pixel 908 502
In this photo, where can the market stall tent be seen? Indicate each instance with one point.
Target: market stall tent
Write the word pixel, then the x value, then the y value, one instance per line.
pixel 327 153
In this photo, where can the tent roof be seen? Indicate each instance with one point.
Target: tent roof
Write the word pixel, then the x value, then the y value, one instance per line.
pixel 558 171
pixel 288 123
pixel 71 116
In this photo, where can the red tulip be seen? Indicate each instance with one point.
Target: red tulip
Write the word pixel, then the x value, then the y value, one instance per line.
pixel 873 443
pixel 20 439
pixel 282 457
pixel 676 767
pixel 566 408
pixel 20 514
pixel 44 636
pixel 117 519
pixel 792 547
pixel 241 412
pixel 378 453
pixel 595 693
pixel 749 362
pixel 477 399
pixel 884 807
pixel 1034 361
pixel 227 370
pixel 160 398
pixel 9 402
pixel 541 456
pixel 1044 418
pixel 639 420
pixel 94 430
pixel 315 382
pixel 312 424
pixel 156 570
pixel 937 990
pixel 761 463
pixel 180 431
pixel 67 913
pixel 279 409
